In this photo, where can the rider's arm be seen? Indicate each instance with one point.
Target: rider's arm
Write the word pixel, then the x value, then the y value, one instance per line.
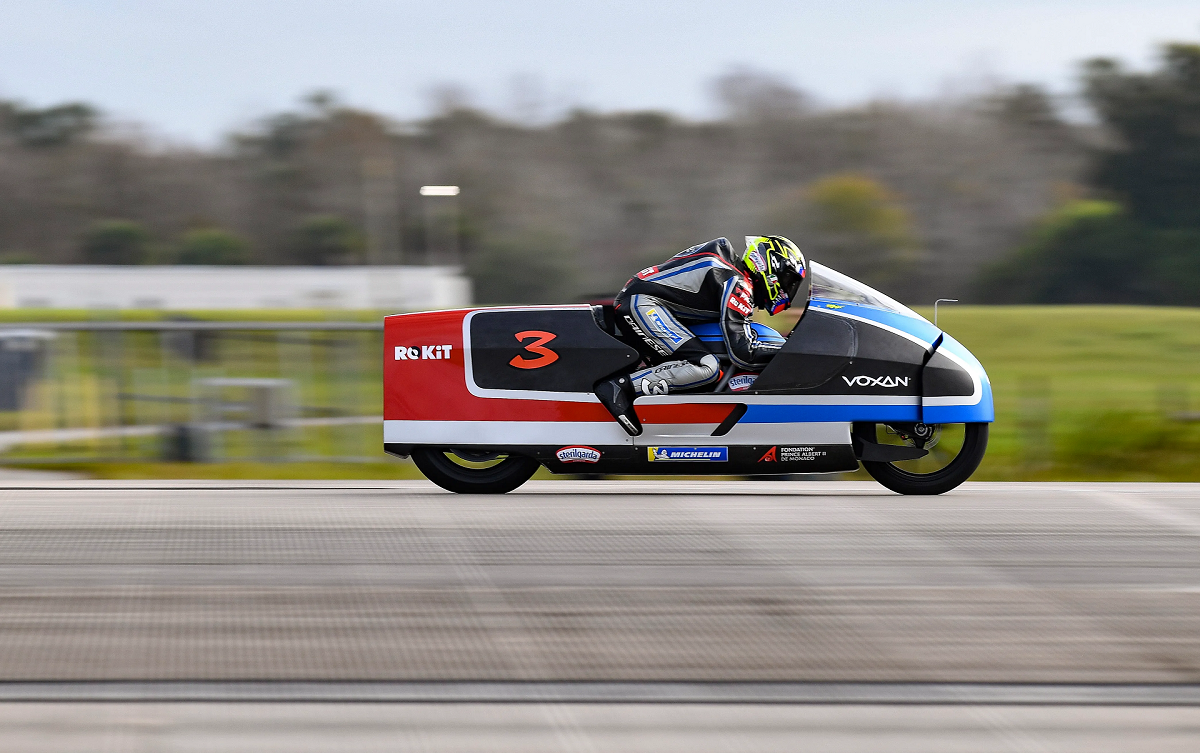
pixel 737 304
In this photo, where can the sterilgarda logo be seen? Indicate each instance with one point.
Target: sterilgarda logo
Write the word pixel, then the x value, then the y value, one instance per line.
pixel 712 454
pixel 883 381
pixel 578 455
pixel 423 353
pixel 742 382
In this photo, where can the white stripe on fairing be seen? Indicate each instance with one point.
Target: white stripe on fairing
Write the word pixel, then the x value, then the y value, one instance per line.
pixel 504 432
pixel 606 433
pixel 700 435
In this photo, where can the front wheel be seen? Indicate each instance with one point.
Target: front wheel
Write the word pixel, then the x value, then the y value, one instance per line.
pixel 472 472
pixel 955 451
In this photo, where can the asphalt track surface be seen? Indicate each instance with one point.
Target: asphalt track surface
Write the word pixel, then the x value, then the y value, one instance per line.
pixel 767 614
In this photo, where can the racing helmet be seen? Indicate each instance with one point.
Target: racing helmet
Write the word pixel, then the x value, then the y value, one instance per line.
pixel 778 271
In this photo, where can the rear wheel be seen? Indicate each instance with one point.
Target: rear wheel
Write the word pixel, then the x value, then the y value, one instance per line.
pixel 473 472
pixel 955 451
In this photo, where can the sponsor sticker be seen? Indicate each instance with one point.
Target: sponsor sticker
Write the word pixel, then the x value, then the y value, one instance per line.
pixel 779 454
pixel 833 306
pixel 578 455
pixel 652 342
pixel 799 454
pixel 664 329
pixel 423 352
pixel 647 272
pixel 742 382
pixel 740 306
pixel 712 454
pixel 868 381
pixel 756 259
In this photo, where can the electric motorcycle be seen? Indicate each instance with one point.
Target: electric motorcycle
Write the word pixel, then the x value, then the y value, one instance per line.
pixel 480 398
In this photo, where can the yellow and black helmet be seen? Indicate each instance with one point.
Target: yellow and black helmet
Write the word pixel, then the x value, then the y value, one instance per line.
pixel 778 270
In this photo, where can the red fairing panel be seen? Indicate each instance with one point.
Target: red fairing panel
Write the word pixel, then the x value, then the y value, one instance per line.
pixel 426 381
pixel 431 387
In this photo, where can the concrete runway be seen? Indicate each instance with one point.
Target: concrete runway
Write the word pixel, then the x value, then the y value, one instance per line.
pixel 636 582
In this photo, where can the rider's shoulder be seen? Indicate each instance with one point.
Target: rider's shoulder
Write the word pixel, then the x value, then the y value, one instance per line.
pixel 719 251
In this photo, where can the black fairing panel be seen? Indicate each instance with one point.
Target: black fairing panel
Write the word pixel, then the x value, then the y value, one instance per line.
pixel 818 349
pixel 945 378
pixel 831 355
pixel 571 353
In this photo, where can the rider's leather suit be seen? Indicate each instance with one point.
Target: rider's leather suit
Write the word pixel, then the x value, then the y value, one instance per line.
pixel 705 283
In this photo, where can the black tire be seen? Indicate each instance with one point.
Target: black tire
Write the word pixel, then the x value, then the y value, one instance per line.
pixel 505 475
pixel 958 470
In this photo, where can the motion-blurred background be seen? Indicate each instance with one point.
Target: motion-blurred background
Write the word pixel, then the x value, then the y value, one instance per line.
pixel 242 187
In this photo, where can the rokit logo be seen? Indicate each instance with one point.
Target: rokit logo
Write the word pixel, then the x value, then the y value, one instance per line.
pixel 883 381
pixel 741 300
pixel 578 455
pixel 423 353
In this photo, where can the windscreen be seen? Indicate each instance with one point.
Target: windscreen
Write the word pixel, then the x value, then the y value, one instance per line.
pixel 835 286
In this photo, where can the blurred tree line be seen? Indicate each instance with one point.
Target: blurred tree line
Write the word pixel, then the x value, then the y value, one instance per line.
pixel 1135 236
pixel 918 198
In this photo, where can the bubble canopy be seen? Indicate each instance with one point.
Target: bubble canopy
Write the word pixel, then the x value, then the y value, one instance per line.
pixel 831 285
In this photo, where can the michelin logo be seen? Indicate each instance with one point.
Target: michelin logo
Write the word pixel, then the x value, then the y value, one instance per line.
pixel 714 454
pixel 424 353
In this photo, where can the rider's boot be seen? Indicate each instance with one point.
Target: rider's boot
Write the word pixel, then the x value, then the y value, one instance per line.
pixel 617 396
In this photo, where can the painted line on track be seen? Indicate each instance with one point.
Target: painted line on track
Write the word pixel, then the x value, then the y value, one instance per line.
pixel 883 693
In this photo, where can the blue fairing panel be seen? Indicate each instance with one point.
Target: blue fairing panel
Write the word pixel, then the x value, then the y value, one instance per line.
pixel 953 410
pixel 910 323
pixel 711 332
pixel 847 411
pixel 976 407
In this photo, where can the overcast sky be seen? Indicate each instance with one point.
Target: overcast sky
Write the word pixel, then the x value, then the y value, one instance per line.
pixel 194 69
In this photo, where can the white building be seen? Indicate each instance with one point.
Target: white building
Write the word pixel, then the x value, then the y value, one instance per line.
pixel 235 287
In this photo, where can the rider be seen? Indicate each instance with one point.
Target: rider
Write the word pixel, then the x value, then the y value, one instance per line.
pixel 706 283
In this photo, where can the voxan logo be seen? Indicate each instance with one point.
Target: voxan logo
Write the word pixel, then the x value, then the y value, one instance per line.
pixel 545 356
pixel 883 381
pixel 423 353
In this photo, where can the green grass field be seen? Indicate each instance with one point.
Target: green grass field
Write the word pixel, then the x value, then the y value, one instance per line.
pixel 1087 392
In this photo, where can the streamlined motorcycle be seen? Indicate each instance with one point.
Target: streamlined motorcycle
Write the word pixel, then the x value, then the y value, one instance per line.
pixel 481 397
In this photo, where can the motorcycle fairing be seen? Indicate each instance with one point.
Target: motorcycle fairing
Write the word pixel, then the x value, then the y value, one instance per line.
pixel 952 385
pixel 846 362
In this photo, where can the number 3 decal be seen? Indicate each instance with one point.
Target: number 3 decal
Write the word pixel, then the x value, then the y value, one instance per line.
pixel 545 356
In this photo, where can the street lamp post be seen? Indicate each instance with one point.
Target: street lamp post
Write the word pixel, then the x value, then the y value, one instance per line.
pixel 430 192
